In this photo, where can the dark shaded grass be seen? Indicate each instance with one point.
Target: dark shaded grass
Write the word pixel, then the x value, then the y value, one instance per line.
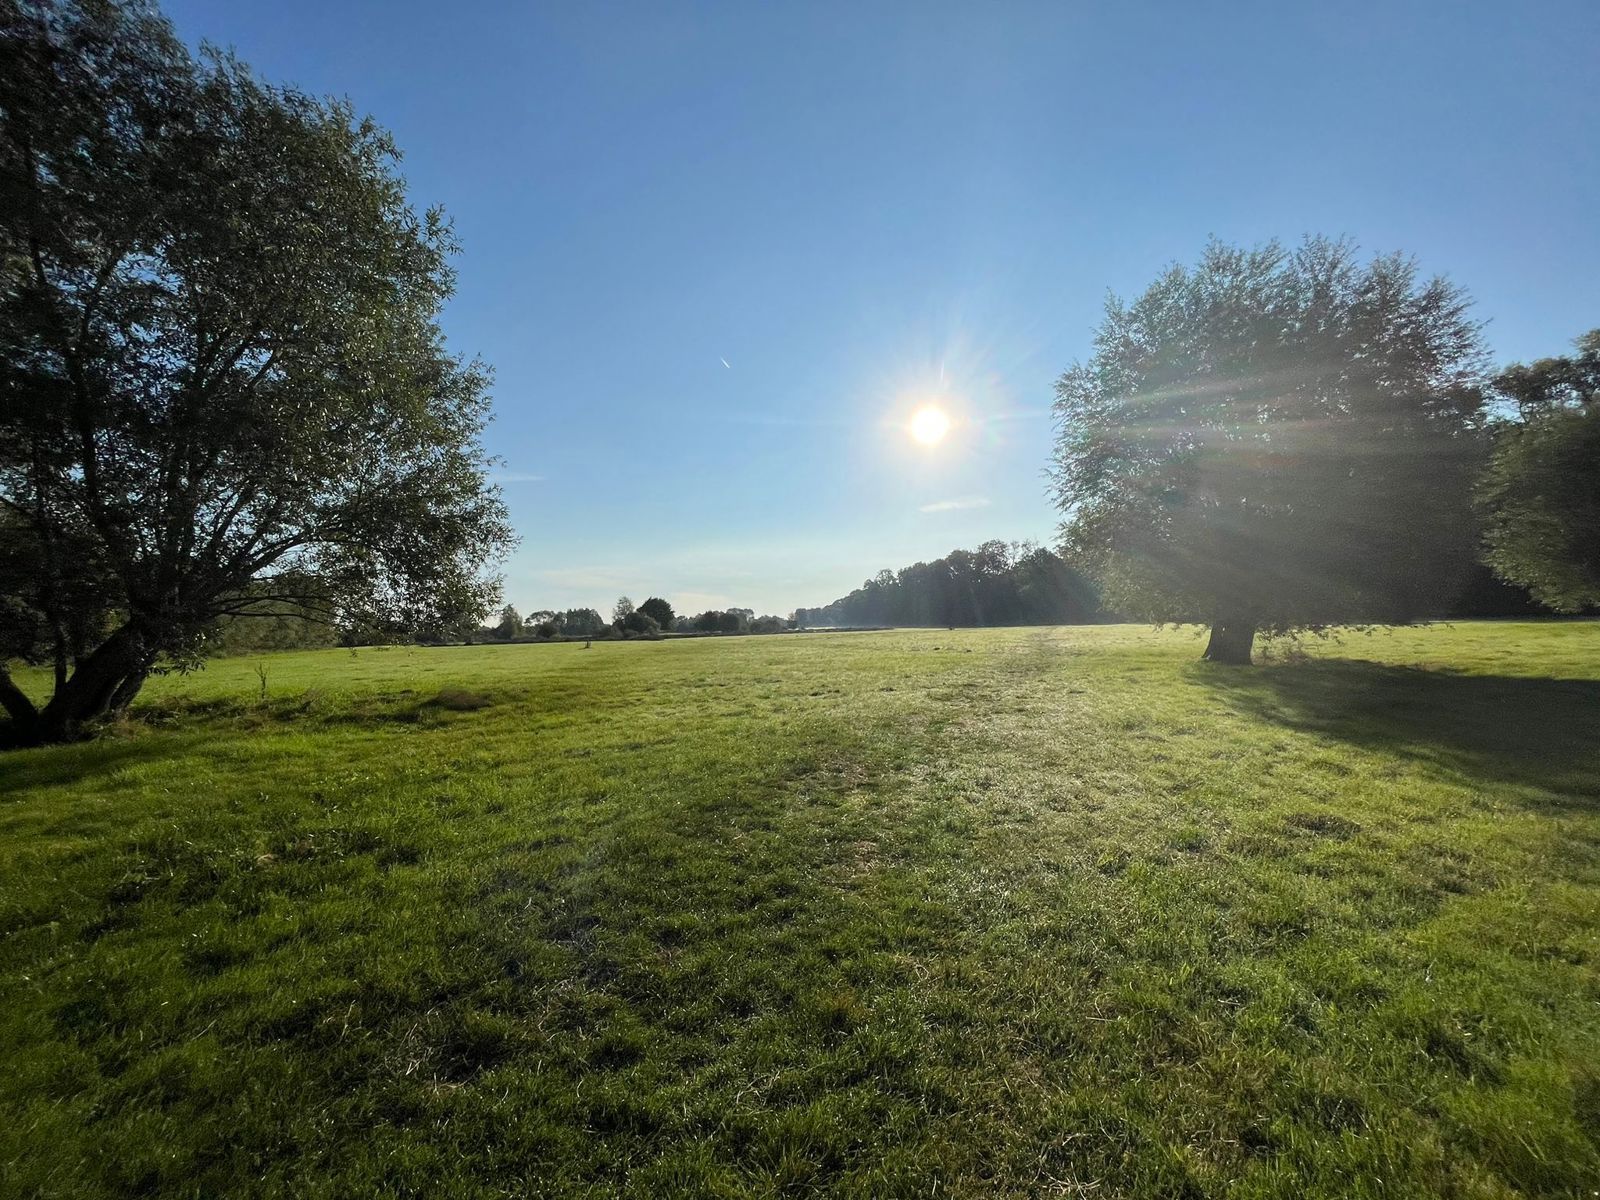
pixel 1542 733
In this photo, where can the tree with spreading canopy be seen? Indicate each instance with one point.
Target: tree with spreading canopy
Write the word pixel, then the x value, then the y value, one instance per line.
pixel 659 611
pixel 1541 493
pixel 1275 440
pixel 581 622
pixel 223 385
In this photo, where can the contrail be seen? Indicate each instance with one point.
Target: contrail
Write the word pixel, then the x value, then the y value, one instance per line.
pixel 725 363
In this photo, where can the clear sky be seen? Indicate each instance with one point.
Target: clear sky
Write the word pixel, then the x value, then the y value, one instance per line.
pixel 718 254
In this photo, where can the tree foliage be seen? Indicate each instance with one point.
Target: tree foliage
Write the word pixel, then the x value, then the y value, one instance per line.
pixel 997 584
pixel 581 622
pixel 659 611
pixel 1541 494
pixel 1275 439
pixel 222 381
pixel 640 622
pixel 510 624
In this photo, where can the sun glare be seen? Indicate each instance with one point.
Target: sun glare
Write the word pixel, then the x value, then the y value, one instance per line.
pixel 929 425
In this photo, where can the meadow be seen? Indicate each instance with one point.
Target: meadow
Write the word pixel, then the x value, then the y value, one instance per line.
pixel 1010 912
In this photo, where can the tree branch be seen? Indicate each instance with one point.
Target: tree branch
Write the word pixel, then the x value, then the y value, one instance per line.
pixel 14 700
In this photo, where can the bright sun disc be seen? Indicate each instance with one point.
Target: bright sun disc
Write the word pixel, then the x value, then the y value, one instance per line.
pixel 929 425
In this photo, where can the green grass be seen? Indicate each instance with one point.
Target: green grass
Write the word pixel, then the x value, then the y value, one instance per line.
pixel 983 913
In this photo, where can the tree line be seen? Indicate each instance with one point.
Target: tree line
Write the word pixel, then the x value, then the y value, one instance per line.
pixel 655 617
pixel 999 583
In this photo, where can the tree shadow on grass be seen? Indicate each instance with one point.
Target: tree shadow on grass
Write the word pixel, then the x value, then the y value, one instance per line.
pixel 58 766
pixel 1532 732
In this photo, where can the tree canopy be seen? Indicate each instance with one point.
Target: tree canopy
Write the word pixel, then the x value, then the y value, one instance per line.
pixel 996 584
pixel 1275 439
pixel 639 621
pixel 659 611
pixel 510 625
pixel 1541 493
pixel 222 380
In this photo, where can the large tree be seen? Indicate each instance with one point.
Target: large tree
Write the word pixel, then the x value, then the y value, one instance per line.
pixel 1541 494
pixel 222 381
pixel 1274 439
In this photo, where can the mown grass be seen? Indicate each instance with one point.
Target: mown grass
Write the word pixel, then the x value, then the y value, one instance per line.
pixel 984 913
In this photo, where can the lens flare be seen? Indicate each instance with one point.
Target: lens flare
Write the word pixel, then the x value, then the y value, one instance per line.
pixel 929 425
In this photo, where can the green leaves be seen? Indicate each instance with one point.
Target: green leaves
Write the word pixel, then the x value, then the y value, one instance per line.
pixel 1541 494
pixel 219 340
pixel 1284 437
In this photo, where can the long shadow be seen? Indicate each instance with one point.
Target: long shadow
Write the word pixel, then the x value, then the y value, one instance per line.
pixel 1534 732
pixel 54 766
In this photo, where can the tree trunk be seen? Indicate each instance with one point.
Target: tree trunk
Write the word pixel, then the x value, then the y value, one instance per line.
pixel 129 687
pixel 104 680
pixel 1231 641
pixel 15 701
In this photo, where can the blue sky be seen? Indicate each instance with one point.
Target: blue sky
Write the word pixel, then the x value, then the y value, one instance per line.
pixel 717 254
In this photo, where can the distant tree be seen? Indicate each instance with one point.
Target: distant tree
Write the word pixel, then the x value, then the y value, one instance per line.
pixel 1566 383
pixel 659 611
pixel 708 622
pixel 581 622
pixel 1050 592
pixel 1541 494
pixel 222 380
pixel 510 624
pixel 1275 440
pixel 640 622
pixel 996 584
pixel 454 623
pixel 731 621
pixel 543 623
pixel 621 609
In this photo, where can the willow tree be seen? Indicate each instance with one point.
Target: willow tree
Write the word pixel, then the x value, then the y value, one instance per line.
pixel 222 381
pixel 1274 440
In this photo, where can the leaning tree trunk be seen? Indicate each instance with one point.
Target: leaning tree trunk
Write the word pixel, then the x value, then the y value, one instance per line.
pixel 105 681
pixel 16 702
pixel 1231 641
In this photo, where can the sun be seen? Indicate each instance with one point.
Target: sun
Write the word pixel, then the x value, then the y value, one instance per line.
pixel 929 425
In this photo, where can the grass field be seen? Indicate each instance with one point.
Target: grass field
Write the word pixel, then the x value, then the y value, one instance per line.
pixel 984 913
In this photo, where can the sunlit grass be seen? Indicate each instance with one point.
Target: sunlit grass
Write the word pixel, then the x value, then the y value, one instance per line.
pixel 1004 912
